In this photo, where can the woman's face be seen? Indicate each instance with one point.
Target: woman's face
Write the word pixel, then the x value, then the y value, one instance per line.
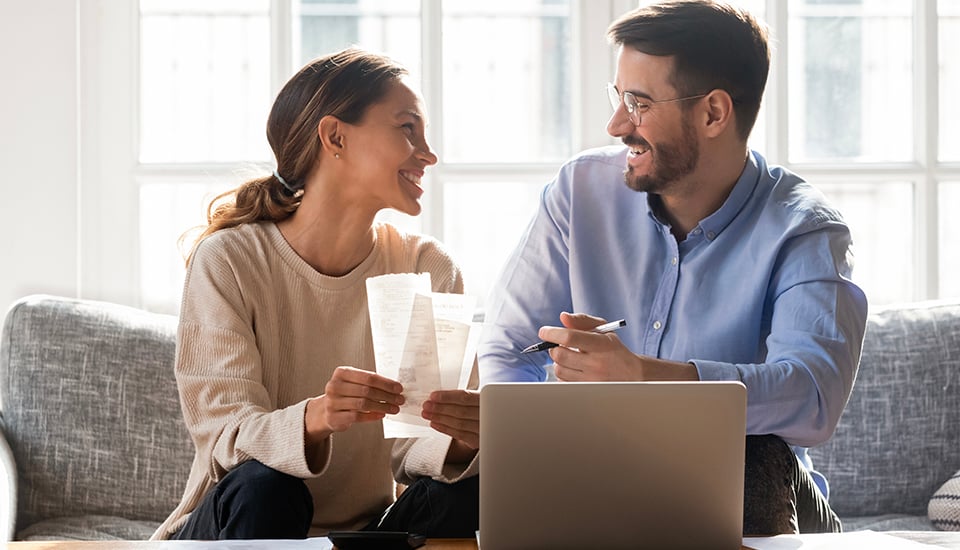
pixel 387 151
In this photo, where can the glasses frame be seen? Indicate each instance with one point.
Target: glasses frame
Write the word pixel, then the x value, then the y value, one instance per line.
pixel 635 106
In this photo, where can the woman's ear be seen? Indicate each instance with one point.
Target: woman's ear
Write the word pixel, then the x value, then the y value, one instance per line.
pixel 720 114
pixel 330 131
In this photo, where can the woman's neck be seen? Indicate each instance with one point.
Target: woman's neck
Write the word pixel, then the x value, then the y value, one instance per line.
pixel 333 240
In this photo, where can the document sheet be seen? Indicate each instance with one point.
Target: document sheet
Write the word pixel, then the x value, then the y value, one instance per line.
pixel 425 340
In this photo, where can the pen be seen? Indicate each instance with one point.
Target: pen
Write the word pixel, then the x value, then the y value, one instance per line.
pixel 606 327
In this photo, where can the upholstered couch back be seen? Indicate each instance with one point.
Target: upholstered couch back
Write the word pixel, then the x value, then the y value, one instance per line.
pixel 899 437
pixel 91 412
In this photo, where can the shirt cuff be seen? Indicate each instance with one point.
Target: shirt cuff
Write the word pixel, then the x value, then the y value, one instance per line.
pixel 716 371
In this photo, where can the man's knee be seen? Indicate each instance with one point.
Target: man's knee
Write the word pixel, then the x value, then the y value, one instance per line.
pixel 769 497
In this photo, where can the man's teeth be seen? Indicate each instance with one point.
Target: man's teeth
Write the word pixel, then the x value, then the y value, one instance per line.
pixel 411 178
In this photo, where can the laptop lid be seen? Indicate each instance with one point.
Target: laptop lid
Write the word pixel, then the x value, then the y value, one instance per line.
pixel 612 465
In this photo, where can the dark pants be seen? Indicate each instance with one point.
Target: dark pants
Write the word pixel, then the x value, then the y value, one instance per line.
pixel 254 501
pixel 779 494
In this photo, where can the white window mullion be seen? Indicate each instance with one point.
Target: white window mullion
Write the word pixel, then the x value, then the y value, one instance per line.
pixel 926 106
pixel 431 46
pixel 282 30
pixel 777 95
pixel 594 64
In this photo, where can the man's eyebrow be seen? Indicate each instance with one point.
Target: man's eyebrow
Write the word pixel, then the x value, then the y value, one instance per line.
pixel 641 95
pixel 637 93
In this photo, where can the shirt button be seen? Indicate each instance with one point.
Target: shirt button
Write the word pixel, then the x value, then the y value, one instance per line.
pixel 711 235
pixel 673 260
pixel 657 325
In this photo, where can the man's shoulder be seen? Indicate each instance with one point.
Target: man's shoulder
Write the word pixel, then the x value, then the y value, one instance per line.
pixel 797 200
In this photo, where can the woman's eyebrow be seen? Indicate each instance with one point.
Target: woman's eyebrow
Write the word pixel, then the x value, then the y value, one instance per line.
pixel 416 115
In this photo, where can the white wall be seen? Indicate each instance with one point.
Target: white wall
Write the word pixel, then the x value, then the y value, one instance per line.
pixel 39 128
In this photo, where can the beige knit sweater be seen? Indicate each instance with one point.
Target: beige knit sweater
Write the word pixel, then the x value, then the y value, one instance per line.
pixel 260 333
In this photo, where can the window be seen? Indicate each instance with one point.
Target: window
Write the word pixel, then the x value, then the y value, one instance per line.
pixel 859 103
pixel 501 115
pixel 857 112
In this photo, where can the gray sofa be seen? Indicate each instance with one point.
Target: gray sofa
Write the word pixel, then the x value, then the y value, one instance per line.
pixel 94 446
pixel 898 440
pixel 91 414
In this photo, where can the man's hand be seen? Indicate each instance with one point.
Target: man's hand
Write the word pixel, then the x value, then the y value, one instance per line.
pixel 587 356
pixel 457 414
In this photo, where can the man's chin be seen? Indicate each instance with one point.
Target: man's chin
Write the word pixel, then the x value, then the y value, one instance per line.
pixel 641 183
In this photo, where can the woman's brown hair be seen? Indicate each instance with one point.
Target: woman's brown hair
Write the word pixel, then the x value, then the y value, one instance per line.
pixel 344 85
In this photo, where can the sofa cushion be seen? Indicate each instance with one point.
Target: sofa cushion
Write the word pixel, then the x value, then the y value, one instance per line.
pixel 88 528
pixel 887 522
pixel 91 411
pixel 897 439
pixel 944 507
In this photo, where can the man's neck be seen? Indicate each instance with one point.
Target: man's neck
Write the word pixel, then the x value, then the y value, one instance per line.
pixel 702 194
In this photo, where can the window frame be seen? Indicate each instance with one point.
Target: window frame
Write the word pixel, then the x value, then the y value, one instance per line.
pixel 109 132
pixel 926 171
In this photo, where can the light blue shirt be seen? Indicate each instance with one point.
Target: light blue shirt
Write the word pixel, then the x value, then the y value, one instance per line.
pixel 758 292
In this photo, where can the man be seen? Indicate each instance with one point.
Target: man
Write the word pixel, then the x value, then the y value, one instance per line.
pixel 725 268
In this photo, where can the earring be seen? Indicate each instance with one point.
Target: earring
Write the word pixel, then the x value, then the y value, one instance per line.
pixel 336 156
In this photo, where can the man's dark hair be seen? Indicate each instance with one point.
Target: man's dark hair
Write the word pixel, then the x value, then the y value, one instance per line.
pixel 714 46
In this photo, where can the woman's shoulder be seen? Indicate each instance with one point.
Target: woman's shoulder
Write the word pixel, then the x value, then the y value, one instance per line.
pixel 411 243
pixel 235 249
pixel 412 252
pixel 240 239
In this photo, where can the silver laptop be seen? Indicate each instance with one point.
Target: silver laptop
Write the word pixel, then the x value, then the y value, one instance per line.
pixel 611 465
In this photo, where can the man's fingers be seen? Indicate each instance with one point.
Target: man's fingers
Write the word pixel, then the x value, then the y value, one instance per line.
pixel 580 321
pixel 567 374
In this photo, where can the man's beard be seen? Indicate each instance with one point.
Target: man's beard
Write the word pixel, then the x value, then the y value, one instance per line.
pixel 671 161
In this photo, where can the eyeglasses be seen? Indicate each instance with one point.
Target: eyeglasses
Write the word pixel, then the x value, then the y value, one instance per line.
pixel 636 107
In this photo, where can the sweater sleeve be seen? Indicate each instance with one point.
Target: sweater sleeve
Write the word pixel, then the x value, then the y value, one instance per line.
pixel 219 372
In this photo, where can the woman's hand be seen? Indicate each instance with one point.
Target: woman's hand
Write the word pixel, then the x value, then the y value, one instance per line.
pixel 351 396
pixel 457 414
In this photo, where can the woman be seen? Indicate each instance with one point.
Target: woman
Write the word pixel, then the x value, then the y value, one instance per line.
pixel 274 354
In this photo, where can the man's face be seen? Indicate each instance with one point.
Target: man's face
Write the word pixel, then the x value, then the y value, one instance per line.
pixel 664 147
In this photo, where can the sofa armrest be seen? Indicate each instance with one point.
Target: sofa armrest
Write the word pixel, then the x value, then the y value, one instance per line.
pixel 8 490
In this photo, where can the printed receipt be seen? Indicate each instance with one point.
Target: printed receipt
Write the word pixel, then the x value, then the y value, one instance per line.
pixel 425 340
